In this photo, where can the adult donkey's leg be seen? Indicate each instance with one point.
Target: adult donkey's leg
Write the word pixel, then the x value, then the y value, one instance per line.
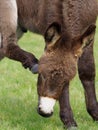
pixel 66 114
pixel 86 69
pixel 14 52
pixel 8 40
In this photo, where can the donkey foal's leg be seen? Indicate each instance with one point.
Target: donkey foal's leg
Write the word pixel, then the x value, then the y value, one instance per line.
pixel 1 53
pixel 86 69
pixel 66 114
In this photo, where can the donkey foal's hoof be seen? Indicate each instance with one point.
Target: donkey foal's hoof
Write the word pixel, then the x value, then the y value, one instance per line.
pixel 34 69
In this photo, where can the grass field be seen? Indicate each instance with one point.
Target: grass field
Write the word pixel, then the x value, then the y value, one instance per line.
pixel 18 95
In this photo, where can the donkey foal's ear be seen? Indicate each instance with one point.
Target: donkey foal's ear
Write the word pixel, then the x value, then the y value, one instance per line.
pixel 53 33
pixel 89 33
pixel 85 39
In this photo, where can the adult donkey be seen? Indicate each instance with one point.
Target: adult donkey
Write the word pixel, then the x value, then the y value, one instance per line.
pixel 68 27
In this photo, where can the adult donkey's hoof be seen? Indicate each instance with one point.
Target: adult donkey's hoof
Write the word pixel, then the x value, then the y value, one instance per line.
pixel 34 69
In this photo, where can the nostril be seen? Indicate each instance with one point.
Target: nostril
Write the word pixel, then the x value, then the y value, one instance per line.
pixel 39 109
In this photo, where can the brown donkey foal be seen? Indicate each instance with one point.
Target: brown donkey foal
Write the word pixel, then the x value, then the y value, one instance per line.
pixel 68 27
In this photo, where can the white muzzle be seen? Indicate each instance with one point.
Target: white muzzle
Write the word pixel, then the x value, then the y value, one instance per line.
pixel 46 105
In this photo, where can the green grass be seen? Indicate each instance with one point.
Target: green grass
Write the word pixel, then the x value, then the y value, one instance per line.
pixel 18 95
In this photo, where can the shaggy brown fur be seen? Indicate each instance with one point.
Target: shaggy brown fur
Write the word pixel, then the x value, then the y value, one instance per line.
pixel 68 27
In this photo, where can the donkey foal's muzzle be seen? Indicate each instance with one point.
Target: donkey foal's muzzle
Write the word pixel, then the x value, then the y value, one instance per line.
pixel 45 107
